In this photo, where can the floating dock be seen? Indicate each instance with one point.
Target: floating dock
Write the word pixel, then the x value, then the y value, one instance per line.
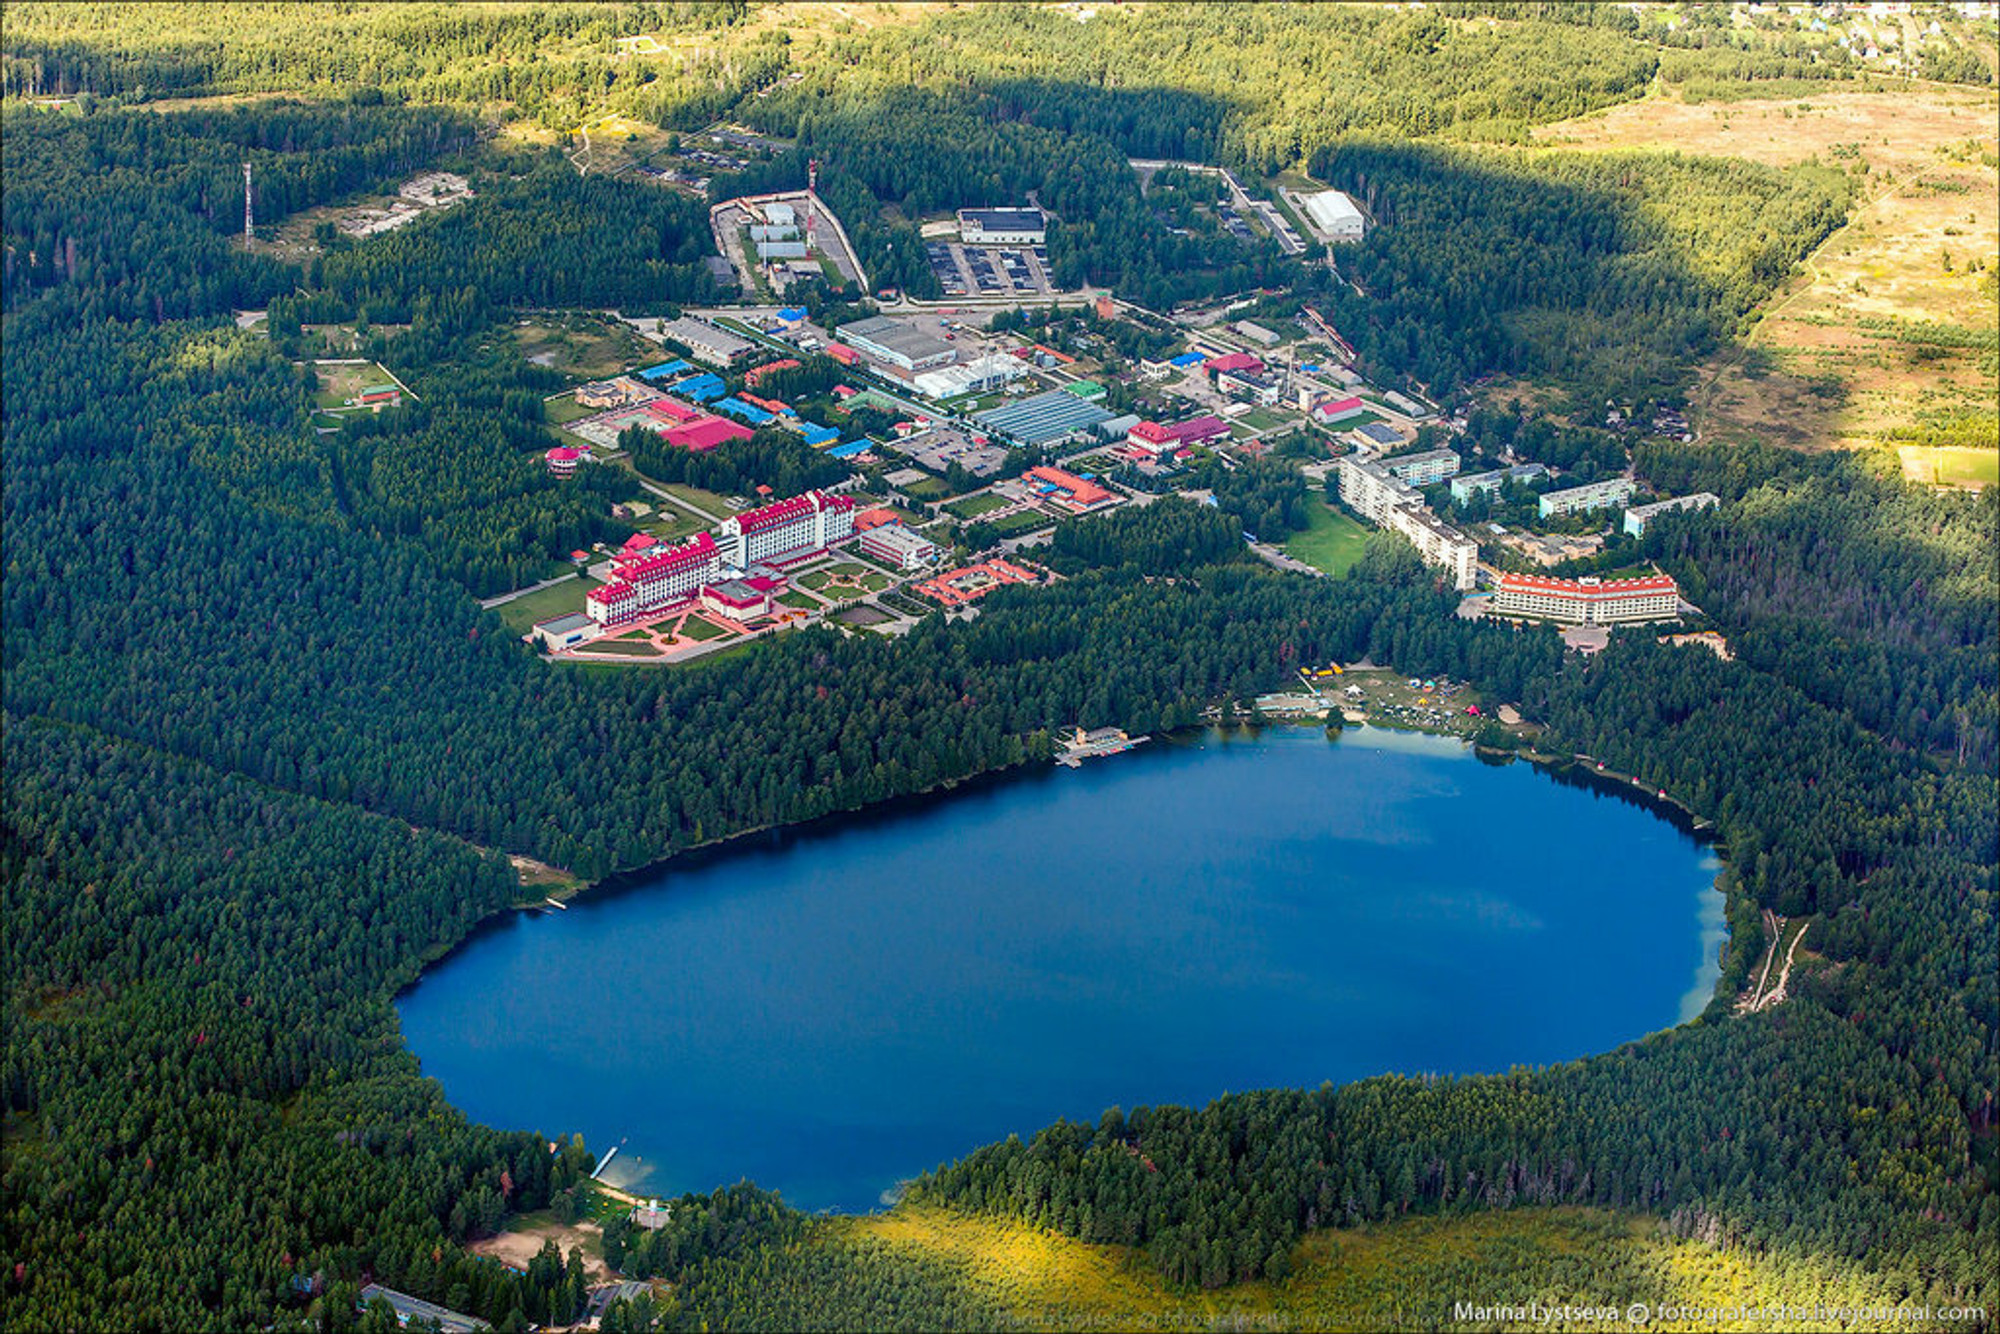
pixel 1084 745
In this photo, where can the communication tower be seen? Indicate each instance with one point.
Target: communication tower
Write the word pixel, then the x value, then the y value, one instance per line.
pixel 249 216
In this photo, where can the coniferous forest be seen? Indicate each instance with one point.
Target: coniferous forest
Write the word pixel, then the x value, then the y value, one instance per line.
pixel 265 756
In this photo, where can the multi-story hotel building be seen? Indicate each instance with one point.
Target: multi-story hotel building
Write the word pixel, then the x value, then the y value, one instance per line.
pixel 786 530
pixel 643 585
pixel 1587 601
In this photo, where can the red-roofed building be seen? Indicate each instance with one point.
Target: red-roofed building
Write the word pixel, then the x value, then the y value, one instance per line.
pixel 1066 489
pixel 770 405
pixel 1235 361
pixel 1199 429
pixel 1587 601
pixel 756 374
pixel 955 588
pixel 843 354
pixel 706 433
pixel 1339 409
pixel 639 542
pixel 875 518
pixel 673 410
pixel 562 460
pixel 651 581
pixel 1151 437
pixel 787 529
pixel 844 391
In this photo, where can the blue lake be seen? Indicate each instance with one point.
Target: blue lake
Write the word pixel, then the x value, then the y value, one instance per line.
pixel 829 1011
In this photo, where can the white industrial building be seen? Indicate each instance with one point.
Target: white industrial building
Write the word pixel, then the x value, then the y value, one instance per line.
pixel 1002 226
pixel 780 214
pixel 1589 496
pixel 978 376
pixel 781 249
pixel 1337 217
pixel 897 342
pixel 1637 517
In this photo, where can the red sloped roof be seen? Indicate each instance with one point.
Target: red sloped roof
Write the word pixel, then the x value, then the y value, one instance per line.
pixel 698 548
pixel 1236 361
pixel 1572 588
pixel 606 594
pixel 707 433
pixel 1151 432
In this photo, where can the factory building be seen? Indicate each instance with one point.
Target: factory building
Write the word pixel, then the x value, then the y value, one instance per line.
pixel 1587 601
pixel 899 546
pixel 897 343
pixel 1638 516
pixel 1002 226
pixel 786 530
pixel 1589 496
pixel 718 347
pixel 644 584
pixel 1337 217
pixel 1425 469
pixel 1465 487
pixel 979 376
pixel 780 214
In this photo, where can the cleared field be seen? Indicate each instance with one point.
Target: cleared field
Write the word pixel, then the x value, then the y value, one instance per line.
pixel 1882 329
pixel 709 503
pixel 339 383
pixel 544 603
pixel 1947 466
pixel 1333 543
pixel 1398 1275
pixel 580 345
pixel 565 409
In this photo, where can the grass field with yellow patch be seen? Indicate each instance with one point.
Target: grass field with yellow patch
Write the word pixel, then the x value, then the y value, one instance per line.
pixel 1412 1273
pixel 1881 329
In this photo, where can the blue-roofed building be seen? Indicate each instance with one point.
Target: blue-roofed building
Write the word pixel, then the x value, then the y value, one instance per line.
pixel 818 435
pixel 792 315
pixel 1186 359
pixel 742 411
pixel 851 448
pixel 708 385
pixel 664 369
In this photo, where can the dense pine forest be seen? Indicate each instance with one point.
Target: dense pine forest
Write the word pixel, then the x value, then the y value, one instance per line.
pixel 266 757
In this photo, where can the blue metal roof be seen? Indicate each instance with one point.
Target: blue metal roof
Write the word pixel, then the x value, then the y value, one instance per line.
pixel 818 435
pixel 665 368
pixel 850 449
pixel 702 387
pixel 749 412
pixel 791 314
pixel 1187 359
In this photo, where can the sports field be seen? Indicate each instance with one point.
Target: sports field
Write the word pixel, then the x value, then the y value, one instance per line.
pixel 1332 544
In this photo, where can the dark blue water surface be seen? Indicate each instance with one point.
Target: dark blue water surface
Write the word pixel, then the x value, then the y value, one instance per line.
pixel 830 1011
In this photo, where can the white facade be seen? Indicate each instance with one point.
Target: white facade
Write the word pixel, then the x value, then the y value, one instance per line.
pixel 899 546
pixel 1002 226
pixel 1465 487
pixel 974 377
pixel 1588 601
pixel 1425 469
pixel 1589 496
pixel 1637 517
pixel 812 522
pixel 1439 544
pixel 1369 489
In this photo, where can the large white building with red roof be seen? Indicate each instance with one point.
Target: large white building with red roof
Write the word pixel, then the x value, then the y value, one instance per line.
pixel 643 584
pixel 786 530
pixel 1587 601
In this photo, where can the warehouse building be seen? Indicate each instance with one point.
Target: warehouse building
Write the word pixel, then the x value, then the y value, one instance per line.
pixel 1337 216
pixel 708 343
pixel 1587 601
pixel 897 343
pixel 1002 226
pixel 561 632
pixel 781 250
pixel 1638 516
pixel 979 376
pixel 1589 496
pixel 1043 417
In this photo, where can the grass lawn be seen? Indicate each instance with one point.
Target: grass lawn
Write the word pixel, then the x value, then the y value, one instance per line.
pixel 1021 521
pixel 973 506
pixel 698 627
pixel 800 601
pixel 1333 543
pixel 544 604
pixel 564 409
pixel 931 488
pixel 671 523
pixel 612 648
pixel 1263 419
pixel 706 501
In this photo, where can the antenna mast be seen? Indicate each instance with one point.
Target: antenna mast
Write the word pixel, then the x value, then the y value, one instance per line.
pixel 249 216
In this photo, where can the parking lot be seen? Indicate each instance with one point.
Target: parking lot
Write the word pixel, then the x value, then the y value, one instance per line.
pixel 964 270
